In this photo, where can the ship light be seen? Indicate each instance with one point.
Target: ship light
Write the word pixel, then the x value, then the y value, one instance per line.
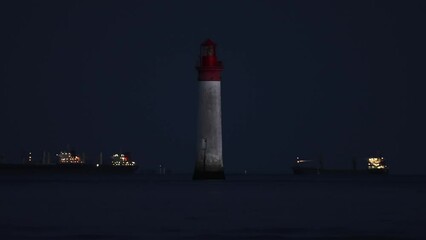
pixel 376 163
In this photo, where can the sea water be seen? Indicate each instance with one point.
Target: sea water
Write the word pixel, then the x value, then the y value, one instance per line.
pixel 241 207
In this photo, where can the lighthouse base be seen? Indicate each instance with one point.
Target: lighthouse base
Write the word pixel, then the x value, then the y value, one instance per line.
pixel 202 175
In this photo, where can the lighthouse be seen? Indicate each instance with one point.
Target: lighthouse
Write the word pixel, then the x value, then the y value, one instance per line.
pixel 209 163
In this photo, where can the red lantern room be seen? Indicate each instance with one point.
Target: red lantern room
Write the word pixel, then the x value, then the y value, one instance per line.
pixel 209 68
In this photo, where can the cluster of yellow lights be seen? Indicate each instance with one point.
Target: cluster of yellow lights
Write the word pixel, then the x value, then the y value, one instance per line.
pixel 66 157
pixel 376 163
pixel 121 160
pixel 118 163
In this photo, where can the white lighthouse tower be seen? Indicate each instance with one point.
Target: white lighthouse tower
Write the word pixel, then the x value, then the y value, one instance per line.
pixel 209 164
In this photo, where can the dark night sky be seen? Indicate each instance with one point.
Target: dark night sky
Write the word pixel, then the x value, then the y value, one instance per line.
pixel 340 78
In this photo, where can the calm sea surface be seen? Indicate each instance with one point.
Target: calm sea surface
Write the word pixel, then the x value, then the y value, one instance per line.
pixel 242 207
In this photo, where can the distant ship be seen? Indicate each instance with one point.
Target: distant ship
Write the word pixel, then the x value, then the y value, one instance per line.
pixel 375 165
pixel 69 162
pixel 120 163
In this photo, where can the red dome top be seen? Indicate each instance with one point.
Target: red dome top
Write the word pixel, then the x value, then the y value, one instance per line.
pixel 208 42
pixel 209 68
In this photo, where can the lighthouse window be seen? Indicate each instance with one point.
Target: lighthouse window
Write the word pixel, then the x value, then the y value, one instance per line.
pixel 208 51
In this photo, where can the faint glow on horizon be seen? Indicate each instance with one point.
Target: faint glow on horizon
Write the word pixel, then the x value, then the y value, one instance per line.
pixel 303 161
